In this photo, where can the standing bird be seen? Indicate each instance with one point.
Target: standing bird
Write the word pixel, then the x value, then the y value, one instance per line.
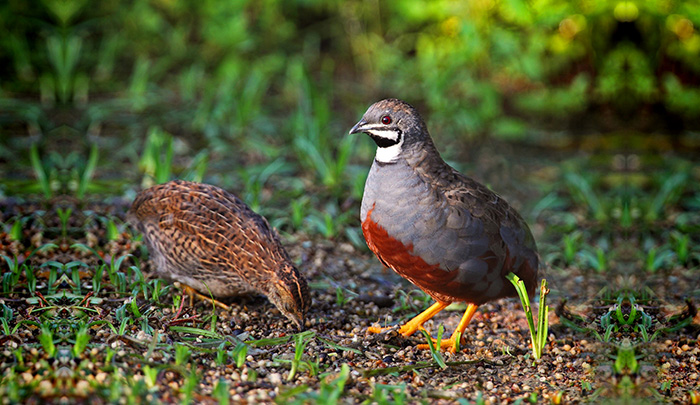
pixel 208 239
pixel 449 235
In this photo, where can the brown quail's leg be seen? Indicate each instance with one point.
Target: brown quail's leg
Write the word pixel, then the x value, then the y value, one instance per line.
pixel 191 292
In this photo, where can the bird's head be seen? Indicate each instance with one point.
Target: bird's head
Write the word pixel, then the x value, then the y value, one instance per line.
pixel 395 126
pixel 290 294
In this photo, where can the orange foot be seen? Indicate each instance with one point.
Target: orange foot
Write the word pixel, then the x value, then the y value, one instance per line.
pixel 414 324
pixel 410 327
pixel 452 344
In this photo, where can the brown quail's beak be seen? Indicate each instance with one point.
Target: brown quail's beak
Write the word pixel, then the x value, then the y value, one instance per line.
pixel 299 324
pixel 302 325
pixel 359 127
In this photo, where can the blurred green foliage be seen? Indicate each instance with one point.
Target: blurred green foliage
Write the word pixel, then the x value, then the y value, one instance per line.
pixel 223 69
pixel 267 89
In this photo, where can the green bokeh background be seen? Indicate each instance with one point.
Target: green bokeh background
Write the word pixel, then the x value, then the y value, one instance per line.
pixel 220 71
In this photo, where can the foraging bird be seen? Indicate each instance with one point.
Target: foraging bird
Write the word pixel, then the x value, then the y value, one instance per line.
pixel 208 239
pixel 442 231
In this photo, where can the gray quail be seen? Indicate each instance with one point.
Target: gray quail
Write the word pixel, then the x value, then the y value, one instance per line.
pixel 208 239
pixel 442 231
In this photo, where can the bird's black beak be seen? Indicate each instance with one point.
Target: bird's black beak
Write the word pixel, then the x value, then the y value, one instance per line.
pixel 300 324
pixel 359 127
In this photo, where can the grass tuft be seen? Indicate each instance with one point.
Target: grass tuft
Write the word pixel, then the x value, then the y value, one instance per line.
pixel 435 346
pixel 538 335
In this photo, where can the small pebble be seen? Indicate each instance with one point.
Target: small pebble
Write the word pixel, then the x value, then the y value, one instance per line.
pixel 45 386
pixel 82 387
pixel 275 378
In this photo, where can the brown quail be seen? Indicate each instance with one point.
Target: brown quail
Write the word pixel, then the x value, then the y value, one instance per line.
pixel 442 231
pixel 208 239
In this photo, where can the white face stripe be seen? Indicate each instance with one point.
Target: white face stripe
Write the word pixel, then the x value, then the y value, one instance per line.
pixel 383 132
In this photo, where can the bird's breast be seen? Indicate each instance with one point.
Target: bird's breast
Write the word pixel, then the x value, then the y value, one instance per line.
pixel 398 211
pixel 401 258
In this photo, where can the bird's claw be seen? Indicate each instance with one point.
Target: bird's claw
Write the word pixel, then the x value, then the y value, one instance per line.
pixel 452 344
pixel 378 330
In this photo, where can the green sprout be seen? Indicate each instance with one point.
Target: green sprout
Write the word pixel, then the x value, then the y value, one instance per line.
pixel 300 342
pixel 220 392
pixel 182 354
pixel 435 346
pixel 538 336
pixel 331 391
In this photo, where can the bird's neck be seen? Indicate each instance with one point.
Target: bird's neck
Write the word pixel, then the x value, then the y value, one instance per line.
pixel 424 157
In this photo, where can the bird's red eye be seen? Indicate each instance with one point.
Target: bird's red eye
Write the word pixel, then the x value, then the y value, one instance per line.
pixel 386 120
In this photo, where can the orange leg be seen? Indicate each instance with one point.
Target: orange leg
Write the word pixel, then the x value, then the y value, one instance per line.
pixel 416 323
pixel 455 340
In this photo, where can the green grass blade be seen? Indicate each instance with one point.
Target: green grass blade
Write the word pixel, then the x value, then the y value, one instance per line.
pixel 40 171
pixel 196 331
pixel 88 171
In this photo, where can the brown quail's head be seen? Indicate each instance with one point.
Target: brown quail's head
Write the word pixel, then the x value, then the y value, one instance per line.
pixel 289 292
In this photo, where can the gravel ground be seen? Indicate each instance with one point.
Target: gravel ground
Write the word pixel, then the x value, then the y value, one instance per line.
pixel 137 360
pixel 495 364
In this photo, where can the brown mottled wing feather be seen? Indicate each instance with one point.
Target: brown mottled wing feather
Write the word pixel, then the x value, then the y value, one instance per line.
pixel 511 246
pixel 201 234
pixel 498 240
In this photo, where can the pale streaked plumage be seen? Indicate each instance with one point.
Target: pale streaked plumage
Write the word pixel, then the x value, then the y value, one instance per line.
pixel 208 239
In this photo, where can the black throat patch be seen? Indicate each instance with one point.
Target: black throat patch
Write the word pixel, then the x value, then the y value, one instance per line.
pixel 384 142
